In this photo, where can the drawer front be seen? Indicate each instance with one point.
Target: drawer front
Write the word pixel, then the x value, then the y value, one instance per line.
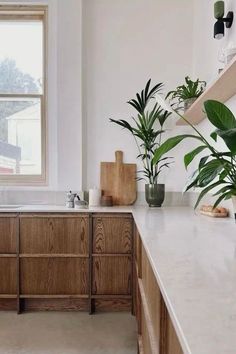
pixel 54 276
pixel 54 235
pixel 8 277
pixel 8 235
pixel 112 235
pixel 112 275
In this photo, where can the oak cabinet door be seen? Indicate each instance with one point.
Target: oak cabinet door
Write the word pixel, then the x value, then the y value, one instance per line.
pixel 112 234
pixel 8 276
pixel 112 275
pixel 8 234
pixel 54 235
pixel 54 276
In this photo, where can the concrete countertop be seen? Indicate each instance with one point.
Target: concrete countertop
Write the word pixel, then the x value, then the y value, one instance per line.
pixel 194 260
pixel 61 209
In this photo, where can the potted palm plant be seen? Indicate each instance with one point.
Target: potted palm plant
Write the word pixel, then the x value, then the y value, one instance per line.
pixel 147 131
pixel 216 169
pixel 187 93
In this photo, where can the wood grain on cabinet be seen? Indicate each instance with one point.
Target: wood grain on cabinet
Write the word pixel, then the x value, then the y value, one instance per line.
pixel 146 342
pixel 8 276
pixel 112 235
pixel 112 304
pixel 8 232
pixel 70 260
pixel 112 275
pixel 54 235
pixel 57 304
pixel 169 340
pixel 152 295
pixel 54 276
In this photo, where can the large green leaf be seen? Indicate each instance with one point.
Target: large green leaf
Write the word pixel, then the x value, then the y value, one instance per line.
pixel 226 195
pixel 229 137
pixel 219 115
pixel 188 158
pixel 209 172
pixel 169 144
pixel 192 181
pixel 206 190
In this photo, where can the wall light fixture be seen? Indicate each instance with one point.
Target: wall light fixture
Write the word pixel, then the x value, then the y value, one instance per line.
pixel 219 27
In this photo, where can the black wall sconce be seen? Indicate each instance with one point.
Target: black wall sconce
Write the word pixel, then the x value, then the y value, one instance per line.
pixel 219 27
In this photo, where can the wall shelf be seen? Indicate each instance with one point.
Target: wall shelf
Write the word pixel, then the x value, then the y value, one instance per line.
pixel 221 90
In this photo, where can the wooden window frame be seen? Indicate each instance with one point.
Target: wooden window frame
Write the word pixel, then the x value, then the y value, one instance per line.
pixel 24 13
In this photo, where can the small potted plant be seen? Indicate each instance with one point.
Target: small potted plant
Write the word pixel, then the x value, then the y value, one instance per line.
pixel 187 93
pixel 147 131
pixel 216 169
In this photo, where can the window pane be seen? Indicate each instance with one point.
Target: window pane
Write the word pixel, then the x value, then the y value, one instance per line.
pixel 21 57
pixel 20 136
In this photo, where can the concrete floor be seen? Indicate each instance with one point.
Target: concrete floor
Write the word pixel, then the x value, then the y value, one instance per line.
pixel 67 333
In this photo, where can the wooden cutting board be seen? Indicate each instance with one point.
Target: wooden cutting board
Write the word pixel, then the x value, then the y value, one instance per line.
pixel 118 179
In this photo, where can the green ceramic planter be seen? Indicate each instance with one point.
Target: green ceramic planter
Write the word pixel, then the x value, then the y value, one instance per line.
pixel 155 194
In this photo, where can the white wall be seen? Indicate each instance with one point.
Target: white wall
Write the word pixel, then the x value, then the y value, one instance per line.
pixel 127 42
pixel 69 54
pixel 100 55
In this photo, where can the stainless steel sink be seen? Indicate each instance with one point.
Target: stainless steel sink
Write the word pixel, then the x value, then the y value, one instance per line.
pixel 10 206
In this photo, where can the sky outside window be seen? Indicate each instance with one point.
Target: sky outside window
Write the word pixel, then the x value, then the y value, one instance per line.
pixel 22 43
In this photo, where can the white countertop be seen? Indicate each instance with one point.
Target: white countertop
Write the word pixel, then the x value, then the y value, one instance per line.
pixel 194 260
pixel 62 209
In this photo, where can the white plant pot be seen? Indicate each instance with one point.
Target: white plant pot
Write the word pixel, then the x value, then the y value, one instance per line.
pixel 234 204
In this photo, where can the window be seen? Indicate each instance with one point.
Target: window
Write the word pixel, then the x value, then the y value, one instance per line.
pixel 22 95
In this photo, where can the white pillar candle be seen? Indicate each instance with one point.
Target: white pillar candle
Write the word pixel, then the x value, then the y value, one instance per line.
pixel 94 197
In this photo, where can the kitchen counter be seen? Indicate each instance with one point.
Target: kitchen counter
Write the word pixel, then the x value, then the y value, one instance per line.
pixel 62 209
pixel 194 261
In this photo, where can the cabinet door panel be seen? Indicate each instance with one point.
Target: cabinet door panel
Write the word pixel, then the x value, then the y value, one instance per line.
pixel 8 278
pixel 54 276
pixel 146 343
pixel 112 235
pixel 54 235
pixel 8 232
pixel 112 275
pixel 153 295
pixel 172 344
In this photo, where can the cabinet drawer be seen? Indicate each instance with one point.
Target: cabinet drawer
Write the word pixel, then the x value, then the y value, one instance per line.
pixel 112 275
pixel 8 233
pixel 8 277
pixel 112 235
pixel 54 276
pixel 54 235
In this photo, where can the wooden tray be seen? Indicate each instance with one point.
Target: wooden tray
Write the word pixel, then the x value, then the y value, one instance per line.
pixel 214 215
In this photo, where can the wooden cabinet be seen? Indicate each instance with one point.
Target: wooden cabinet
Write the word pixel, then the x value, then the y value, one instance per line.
pixel 54 259
pixel 54 234
pixel 112 257
pixel 8 234
pixel 156 333
pixel 112 275
pixel 8 277
pixel 112 234
pixel 66 261
pixel 9 240
pixel 54 276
